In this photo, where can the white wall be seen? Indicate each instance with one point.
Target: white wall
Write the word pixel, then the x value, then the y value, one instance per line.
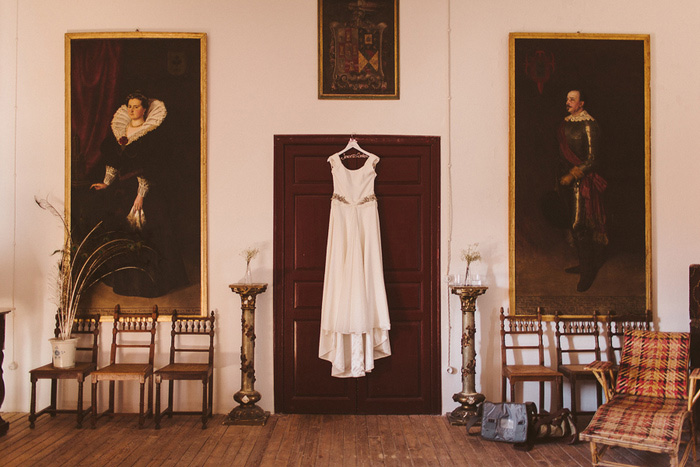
pixel 263 81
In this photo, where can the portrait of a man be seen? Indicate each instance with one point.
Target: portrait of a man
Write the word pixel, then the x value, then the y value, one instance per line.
pixel 579 144
pixel 579 183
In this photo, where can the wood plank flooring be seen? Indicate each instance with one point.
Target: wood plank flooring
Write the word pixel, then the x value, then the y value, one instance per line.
pixel 298 440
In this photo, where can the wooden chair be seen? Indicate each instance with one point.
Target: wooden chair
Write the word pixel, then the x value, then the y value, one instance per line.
pixel 514 329
pixel 145 323
pixel 182 327
pixel 577 337
pixel 650 407
pixel 614 331
pixel 82 328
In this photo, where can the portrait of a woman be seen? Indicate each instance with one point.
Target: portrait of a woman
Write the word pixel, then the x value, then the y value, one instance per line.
pixel 130 200
pixel 137 164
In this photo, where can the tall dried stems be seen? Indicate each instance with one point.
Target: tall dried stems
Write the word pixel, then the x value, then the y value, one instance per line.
pixel 470 255
pixel 249 254
pixel 85 263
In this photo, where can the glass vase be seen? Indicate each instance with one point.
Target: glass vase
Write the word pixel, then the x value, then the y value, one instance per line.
pixel 248 277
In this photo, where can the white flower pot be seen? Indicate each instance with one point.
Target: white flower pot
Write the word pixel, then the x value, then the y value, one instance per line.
pixel 63 352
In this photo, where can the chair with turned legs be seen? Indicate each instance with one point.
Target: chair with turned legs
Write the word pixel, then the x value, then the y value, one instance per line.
pixel 140 326
pixel 84 328
pixel 578 344
pixel 522 337
pixel 186 329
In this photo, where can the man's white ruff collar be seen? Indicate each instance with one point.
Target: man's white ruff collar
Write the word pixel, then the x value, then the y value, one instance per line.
pixel 121 120
pixel 583 116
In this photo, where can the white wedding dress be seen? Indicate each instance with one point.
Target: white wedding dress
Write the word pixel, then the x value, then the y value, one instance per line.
pixel 354 313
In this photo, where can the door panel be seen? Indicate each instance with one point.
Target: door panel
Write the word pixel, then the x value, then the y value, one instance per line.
pixel 308 235
pixel 407 187
pixel 401 249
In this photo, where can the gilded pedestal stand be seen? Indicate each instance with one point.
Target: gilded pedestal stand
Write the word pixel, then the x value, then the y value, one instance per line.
pixel 247 413
pixel 468 397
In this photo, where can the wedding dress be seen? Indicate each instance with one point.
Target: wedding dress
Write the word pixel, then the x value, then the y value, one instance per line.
pixel 354 312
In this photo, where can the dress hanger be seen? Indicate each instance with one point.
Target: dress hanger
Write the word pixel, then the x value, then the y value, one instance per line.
pixel 353 144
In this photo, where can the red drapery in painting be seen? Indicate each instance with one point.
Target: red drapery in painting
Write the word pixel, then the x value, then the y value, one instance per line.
pixel 95 71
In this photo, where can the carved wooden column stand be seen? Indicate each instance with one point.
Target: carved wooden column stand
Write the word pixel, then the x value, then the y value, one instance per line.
pixel 4 425
pixel 247 413
pixel 468 397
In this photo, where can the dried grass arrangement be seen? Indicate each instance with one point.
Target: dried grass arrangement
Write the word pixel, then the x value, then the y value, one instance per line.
pixel 83 264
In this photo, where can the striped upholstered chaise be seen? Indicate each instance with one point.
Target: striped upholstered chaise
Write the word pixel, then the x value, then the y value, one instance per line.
pixel 650 406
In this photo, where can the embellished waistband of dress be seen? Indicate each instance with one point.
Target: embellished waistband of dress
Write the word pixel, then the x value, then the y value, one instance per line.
pixel 364 200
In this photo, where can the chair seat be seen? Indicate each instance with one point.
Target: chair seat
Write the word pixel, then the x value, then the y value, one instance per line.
pixel 578 370
pixel 119 371
pixel 531 372
pixel 50 371
pixel 639 422
pixel 184 371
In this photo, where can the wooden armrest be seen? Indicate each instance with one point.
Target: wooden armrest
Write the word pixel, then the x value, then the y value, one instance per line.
pixel 602 366
pixel 603 372
pixel 693 393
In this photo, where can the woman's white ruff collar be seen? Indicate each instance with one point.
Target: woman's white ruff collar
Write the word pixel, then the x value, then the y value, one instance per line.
pixel 121 120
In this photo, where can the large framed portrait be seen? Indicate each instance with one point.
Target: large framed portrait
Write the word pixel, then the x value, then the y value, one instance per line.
pixel 358 49
pixel 580 224
pixel 136 163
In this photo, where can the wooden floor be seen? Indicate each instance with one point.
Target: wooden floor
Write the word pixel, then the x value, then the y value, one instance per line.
pixel 301 440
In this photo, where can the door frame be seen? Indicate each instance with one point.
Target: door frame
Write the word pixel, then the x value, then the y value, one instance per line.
pixel 280 141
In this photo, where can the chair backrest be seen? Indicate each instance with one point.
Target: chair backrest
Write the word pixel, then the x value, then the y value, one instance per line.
pixel 84 325
pixel 521 325
pixel 191 326
pixel 655 364
pixel 134 323
pixel 577 336
pixel 615 328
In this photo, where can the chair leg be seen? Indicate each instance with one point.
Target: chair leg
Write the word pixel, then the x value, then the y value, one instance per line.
pixel 141 403
pixel 594 454
pixel 512 391
pixel 171 390
pixel 574 400
pixel 94 404
pixel 558 404
pixel 560 393
pixel 111 397
pixel 503 389
pixel 80 402
pixel 150 396
pixel 32 404
pixel 157 414
pixel 541 408
pixel 204 403
pixel 211 396
pixel 54 391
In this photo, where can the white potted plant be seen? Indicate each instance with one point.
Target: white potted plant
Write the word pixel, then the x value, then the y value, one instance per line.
pixel 82 265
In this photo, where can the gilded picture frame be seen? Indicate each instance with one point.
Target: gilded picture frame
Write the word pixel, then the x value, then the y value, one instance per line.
pixel 579 182
pixel 162 161
pixel 358 49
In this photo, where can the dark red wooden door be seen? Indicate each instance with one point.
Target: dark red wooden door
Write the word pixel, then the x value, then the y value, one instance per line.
pixel 407 187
